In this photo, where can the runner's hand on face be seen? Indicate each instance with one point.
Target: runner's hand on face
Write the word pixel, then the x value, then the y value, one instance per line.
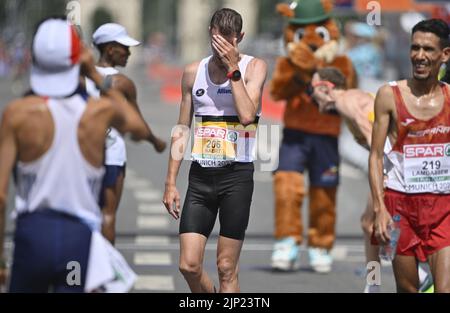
pixel 228 53
pixel 382 220
pixel 171 201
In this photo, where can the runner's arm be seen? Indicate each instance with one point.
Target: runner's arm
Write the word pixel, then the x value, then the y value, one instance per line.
pixel 383 113
pixel 128 89
pixel 180 133
pixel 180 140
pixel 125 118
pixel 247 98
pixel 362 118
pixel 8 154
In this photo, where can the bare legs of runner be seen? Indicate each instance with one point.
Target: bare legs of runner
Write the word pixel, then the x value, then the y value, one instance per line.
pixel 406 274
pixel 112 196
pixel 440 269
pixel 191 263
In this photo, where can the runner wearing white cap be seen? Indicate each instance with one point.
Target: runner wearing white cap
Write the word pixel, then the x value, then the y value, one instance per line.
pixel 113 42
pixel 53 140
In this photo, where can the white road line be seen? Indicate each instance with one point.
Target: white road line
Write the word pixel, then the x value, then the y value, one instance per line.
pixel 145 243
pixel 152 222
pixel 148 195
pixel 146 208
pixel 137 183
pixel 246 247
pixel 152 240
pixel 154 282
pixel 339 253
pixel 152 258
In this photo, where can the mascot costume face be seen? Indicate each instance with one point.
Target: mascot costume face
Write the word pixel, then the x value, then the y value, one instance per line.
pixel 309 137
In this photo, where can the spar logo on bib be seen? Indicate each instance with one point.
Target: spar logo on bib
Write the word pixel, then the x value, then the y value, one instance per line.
pixel 426 151
pixel 211 132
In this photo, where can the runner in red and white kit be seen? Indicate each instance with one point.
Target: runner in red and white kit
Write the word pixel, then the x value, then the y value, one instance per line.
pixel 416 113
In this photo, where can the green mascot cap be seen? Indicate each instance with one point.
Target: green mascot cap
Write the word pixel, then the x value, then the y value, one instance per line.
pixel 308 12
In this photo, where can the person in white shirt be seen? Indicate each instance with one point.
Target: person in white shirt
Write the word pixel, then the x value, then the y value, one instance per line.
pixel 113 43
pixel 53 141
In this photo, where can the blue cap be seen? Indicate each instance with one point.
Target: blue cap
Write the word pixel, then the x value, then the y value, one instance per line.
pixel 396 218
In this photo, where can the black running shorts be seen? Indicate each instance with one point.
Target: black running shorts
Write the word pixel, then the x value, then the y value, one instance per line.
pixel 226 190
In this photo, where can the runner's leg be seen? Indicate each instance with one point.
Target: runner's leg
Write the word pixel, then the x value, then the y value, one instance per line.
pixel 228 252
pixel 440 269
pixel 112 196
pixel 192 251
pixel 405 272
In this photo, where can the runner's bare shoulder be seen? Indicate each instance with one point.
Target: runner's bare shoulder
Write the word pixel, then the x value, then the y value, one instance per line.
pixel 102 106
pixel 25 108
pixel 189 73
pixel 123 83
pixel 385 96
pixel 257 67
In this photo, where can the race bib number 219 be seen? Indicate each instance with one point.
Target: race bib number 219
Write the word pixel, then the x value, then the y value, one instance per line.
pixel 427 168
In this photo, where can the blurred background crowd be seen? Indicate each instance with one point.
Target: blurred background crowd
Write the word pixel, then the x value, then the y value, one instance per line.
pixel 173 32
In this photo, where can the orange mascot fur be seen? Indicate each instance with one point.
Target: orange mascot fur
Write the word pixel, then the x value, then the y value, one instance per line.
pixel 309 137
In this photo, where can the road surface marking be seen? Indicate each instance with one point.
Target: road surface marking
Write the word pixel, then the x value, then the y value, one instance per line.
pixel 152 258
pixel 339 253
pixel 152 222
pixel 152 240
pixel 137 183
pixel 146 208
pixel 148 195
pixel 154 282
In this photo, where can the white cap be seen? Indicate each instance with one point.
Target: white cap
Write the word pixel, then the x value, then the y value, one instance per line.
pixel 56 52
pixel 111 32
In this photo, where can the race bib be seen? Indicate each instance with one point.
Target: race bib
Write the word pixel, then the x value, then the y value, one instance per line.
pixel 219 143
pixel 427 168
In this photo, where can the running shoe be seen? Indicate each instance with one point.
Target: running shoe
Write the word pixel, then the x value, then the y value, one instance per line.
pixel 285 256
pixel 320 260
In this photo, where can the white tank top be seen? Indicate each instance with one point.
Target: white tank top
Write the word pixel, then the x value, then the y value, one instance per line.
pixel 219 138
pixel 62 179
pixel 213 99
pixel 116 152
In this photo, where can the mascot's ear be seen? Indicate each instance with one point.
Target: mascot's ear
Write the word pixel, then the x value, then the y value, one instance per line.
pixel 285 10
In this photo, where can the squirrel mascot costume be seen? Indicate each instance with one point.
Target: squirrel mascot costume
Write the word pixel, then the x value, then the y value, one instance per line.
pixel 309 138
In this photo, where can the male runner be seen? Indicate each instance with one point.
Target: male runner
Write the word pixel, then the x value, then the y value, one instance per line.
pixel 415 113
pixel 53 140
pixel 114 44
pixel 357 109
pixel 224 92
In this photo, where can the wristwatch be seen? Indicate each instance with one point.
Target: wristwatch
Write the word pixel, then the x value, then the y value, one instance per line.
pixel 234 75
